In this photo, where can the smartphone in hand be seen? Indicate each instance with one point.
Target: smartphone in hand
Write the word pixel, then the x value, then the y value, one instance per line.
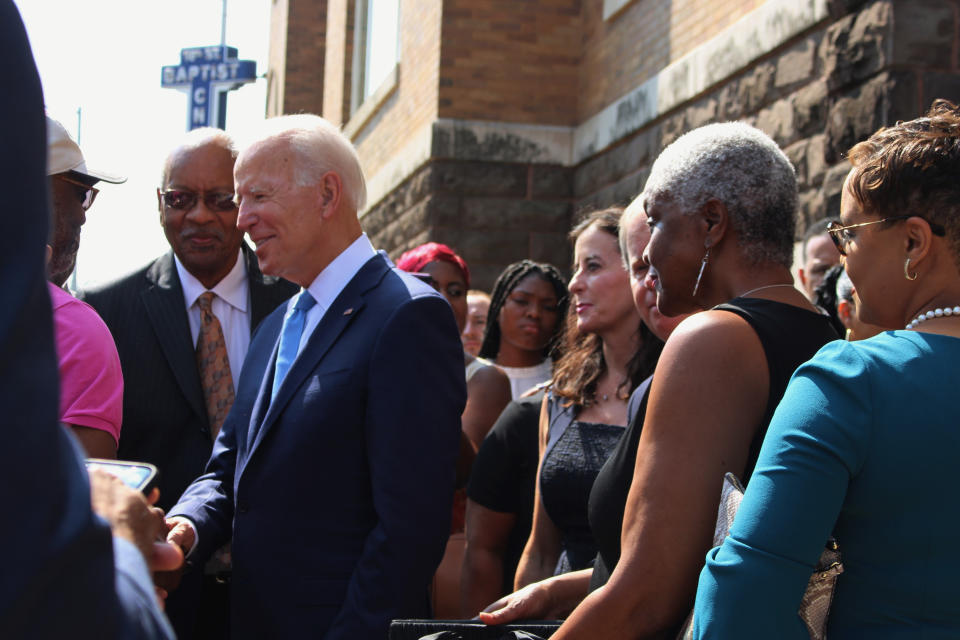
pixel 137 475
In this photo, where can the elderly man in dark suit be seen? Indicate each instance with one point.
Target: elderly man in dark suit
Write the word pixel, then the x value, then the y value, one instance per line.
pixel 335 468
pixel 182 325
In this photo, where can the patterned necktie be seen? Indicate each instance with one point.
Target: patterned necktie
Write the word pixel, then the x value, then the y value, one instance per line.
pixel 290 335
pixel 214 366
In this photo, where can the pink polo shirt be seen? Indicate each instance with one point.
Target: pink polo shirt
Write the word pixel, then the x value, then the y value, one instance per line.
pixel 91 384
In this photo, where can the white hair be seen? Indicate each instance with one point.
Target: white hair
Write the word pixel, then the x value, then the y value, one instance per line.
pixel 320 148
pixel 634 209
pixel 194 139
pixel 743 168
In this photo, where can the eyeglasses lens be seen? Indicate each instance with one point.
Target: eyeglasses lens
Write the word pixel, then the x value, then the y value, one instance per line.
pixel 836 234
pixel 87 196
pixel 185 200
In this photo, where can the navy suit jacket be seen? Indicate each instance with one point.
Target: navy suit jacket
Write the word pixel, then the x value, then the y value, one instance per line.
pixel 164 416
pixel 339 492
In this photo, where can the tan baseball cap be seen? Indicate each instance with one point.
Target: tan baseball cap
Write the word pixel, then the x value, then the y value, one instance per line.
pixel 63 154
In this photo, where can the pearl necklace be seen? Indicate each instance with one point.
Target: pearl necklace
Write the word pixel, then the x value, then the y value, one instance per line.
pixel 769 286
pixel 934 313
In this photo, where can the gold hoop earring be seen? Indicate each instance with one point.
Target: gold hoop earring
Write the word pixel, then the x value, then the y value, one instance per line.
pixel 906 271
pixel 703 267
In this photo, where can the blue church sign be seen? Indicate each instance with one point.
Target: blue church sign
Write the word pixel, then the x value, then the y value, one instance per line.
pixel 206 74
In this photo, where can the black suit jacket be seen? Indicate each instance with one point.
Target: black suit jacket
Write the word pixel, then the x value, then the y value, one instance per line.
pixel 164 418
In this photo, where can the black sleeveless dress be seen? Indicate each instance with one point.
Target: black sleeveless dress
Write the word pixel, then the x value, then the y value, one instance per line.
pixel 574 454
pixel 790 336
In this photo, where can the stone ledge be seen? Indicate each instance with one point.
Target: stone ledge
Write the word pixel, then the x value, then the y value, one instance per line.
pixel 401 166
pixel 753 36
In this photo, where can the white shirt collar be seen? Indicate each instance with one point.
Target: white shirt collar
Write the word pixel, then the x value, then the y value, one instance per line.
pixel 334 278
pixel 232 288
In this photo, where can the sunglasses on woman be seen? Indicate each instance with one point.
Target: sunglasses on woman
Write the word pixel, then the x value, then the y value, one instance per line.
pixel 842 237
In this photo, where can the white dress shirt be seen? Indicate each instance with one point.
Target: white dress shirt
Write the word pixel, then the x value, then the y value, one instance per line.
pixel 325 288
pixel 231 305
pixel 331 282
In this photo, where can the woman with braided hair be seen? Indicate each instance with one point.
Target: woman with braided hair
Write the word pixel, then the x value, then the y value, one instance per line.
pixel 526 305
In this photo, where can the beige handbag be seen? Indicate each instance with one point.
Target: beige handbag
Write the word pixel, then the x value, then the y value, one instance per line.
pixel 815 605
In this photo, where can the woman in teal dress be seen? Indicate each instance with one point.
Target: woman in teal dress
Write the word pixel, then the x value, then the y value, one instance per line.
pixel 866 442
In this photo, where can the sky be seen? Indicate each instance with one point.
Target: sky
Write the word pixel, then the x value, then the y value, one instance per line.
pixel 104 57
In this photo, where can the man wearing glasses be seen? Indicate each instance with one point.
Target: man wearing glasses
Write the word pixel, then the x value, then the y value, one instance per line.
pixel 71 193
pixel 182 325
pixel 91 384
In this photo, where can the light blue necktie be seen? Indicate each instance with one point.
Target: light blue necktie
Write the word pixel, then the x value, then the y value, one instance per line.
pixel 290 335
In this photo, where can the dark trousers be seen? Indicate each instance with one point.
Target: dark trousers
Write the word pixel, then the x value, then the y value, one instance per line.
pixel 200 607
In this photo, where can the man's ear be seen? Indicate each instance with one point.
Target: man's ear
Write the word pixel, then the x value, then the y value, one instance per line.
pixel 715 219
pixel 329 193
pixel 160 205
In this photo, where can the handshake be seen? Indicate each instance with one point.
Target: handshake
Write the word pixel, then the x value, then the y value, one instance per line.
pixel 132 516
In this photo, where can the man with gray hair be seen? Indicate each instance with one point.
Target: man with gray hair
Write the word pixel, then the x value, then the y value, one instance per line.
pixel 334 471
pixel 182 325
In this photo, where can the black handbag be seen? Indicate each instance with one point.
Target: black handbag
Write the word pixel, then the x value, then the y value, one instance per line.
pixel 471 630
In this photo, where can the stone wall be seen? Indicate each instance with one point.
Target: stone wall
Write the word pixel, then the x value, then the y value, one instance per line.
pixel 492 213
pixel 871 64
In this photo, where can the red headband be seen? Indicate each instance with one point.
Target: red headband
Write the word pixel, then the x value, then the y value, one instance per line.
pixel 416 259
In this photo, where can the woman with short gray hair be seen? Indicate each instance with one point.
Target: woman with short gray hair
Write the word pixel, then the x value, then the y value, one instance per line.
pixel 721 206
pixel 864 445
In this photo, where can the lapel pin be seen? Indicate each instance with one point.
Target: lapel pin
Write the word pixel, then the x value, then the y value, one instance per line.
pixel 348 311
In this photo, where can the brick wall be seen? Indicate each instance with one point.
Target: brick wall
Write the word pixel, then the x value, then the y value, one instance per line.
pixel 297 52
pixel 510 61
pixel 692 22
pixel 413 105
pixel 338 61
pixel 277 57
